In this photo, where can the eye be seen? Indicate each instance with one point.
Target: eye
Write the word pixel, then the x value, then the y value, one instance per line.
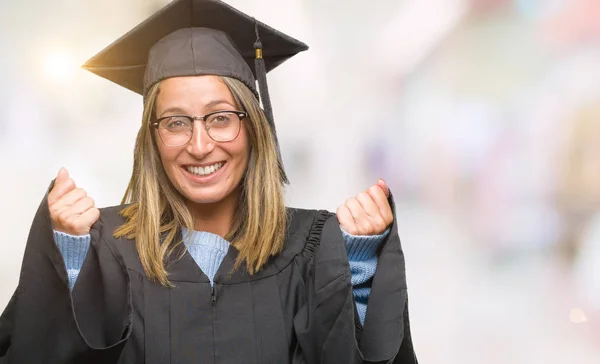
pixel 175 123
pixel 220 119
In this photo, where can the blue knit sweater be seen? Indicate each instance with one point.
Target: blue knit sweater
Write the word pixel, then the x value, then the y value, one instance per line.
pixel 208 251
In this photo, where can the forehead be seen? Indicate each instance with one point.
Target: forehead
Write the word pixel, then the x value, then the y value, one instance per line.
pixel 192 92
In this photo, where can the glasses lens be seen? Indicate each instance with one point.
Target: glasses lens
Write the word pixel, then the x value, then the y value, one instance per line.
pixel 223 126
pixel 175 131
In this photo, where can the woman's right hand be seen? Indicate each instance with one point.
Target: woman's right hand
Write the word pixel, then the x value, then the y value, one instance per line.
pixel 72 211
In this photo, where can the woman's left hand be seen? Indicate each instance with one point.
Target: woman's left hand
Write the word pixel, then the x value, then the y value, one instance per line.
pixel 369 213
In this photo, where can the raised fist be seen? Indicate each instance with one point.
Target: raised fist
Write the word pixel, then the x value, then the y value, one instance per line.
pixel 369 213
pixel 72 211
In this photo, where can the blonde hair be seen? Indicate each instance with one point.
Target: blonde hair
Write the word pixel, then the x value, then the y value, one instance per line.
pixel 157 211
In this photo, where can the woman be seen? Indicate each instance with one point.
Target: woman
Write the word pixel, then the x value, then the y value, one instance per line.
pixel 203 263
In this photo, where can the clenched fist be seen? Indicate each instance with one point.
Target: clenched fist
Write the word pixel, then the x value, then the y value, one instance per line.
pixel 369 213
pixel 71 210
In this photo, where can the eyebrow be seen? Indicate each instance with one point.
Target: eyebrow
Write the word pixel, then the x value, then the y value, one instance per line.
pixel 210 105
pixel 218 102
pixel 173 110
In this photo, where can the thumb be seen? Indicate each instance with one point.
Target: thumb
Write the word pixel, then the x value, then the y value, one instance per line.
pixel 62 176
pixel 381 183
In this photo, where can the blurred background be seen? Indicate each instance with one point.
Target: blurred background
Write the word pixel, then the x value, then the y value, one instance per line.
pixel 483 116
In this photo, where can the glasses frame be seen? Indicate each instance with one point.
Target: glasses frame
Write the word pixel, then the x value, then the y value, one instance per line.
pixel 240 114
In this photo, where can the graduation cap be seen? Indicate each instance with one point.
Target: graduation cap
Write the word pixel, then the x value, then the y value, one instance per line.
pixel 198 37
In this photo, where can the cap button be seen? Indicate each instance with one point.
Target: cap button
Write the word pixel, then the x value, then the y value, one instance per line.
pixel 258 49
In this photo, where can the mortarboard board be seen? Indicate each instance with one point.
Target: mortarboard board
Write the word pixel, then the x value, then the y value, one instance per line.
pixel 197 37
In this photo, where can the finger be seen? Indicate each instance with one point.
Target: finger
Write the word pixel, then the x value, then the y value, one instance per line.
pixel 89 217
pixel 361 219
pixel 82 205
pixel 368 204
pixel 383 185
pixel 73 212
pixel 62 175
pixel 346 220
pixel 60 188
pixel 66 201
pixel 382 202
pixel 70 216
pixel 377 222
pixel 71 197
pixel 80 224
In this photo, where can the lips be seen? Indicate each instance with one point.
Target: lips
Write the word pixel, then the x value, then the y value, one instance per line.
pixel 204 171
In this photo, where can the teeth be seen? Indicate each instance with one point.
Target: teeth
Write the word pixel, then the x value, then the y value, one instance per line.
pixel 203 171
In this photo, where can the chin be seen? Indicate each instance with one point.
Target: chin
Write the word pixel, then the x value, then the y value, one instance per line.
pixel 205 195
pixel 204 199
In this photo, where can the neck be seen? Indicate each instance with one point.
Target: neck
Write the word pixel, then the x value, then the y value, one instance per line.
pixel 216 218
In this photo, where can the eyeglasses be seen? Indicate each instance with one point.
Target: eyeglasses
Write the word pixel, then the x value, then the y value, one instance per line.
pixel 221 126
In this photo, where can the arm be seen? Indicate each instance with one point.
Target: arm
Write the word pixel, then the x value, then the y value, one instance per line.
pixel 365 222
pixel 327 326
pixel 362 256
pixel 91 324
pixel 74 249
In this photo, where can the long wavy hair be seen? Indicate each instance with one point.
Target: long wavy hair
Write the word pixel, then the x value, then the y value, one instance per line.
pixel 156 211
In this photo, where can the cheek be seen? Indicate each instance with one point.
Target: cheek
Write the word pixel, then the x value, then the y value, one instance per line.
pixel 167 158
pixel 166 154
pixel 243 149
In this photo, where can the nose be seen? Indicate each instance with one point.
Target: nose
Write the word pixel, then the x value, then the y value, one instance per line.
pixel 201 144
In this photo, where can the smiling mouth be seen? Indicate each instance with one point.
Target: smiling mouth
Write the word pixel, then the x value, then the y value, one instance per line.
pixel 205 171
